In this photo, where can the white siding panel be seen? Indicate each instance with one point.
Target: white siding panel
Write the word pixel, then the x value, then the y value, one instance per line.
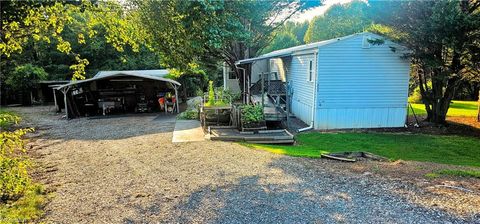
pixel 360 87
pixel 302 98
pixel 258 67
pixel 277 65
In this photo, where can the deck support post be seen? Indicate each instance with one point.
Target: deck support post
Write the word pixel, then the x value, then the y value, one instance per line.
pixel 263 90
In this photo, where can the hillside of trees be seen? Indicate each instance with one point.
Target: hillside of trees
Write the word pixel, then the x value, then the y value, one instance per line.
pixel 74 40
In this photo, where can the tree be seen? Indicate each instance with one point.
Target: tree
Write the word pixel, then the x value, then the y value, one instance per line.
pixel 281 41
pixel 26 78
pixel 204 32
pixel 443 38
pixel 339 20
pixel 289 35
pixel 31 21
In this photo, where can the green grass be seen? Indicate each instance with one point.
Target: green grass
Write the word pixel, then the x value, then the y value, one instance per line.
pixel 26 209
pixel 456 173
pixel 460 173
pixel 457 108
pixel 454 150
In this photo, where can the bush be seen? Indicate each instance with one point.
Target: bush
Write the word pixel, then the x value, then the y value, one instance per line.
pixel 188 115
pixel 232 96
pixel 219 100
pixel 25 77
pixel 7 119
pixel 252 113
pixel 14 178
pixel 20 200
pixel 211 95
pixel 25 209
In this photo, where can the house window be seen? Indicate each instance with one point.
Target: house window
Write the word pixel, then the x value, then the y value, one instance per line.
pixel 231 74
pixel 310 71
pixel 365 41
pixel 274 76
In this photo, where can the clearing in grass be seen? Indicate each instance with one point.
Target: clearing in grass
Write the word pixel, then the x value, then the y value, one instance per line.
pixel 457 109
pixel 455 150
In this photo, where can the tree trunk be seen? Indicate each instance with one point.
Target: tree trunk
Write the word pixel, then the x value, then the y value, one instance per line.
pixel 441 100
pixel 478 113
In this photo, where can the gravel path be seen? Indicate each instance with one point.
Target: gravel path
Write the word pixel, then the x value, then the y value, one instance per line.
pixel 126 170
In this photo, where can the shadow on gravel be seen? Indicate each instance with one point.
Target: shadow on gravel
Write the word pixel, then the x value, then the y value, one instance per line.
pixel 109 127
pixel 112 128
pixel 308 196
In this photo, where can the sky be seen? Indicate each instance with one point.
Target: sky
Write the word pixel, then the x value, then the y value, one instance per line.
pixel 316 11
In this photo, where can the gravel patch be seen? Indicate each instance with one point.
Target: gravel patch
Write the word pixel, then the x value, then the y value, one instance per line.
pixel 126 170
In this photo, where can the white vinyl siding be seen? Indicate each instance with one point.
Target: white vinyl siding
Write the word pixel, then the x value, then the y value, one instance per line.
pixel 302 98
pixel 361 87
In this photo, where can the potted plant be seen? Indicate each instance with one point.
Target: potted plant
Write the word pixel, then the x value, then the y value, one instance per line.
pixel 252 117
pixel 216 108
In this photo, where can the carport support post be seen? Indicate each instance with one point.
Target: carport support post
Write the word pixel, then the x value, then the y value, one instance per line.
pixel 55 99
pixel 176 98
pixel 64 91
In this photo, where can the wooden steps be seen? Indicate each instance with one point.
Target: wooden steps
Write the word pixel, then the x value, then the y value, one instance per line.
pixel 270 111
pixel 260 137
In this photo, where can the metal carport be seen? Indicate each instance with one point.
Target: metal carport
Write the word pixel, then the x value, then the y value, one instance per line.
pixel 132 76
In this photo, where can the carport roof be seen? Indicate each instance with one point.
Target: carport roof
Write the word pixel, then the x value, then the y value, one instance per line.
pixel 158 75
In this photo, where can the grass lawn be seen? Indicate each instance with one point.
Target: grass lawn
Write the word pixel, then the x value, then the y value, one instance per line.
pixel 454 150
pixel 457 108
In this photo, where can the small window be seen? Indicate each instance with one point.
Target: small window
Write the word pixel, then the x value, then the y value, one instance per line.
pixel 274 76
pixel 310 72
pixel 365 42
pixel 231 74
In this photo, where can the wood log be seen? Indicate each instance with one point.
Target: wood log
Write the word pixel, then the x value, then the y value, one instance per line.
pixel 338 158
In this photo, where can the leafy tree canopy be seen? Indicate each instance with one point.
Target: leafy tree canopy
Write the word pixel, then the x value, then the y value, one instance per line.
pixel 443 38
pixel 204 32
pixel 339 20
pixel 289 35
pixel 26 77
pixel 24 22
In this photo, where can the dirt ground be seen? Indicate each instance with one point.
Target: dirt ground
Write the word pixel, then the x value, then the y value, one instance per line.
pixel 124 169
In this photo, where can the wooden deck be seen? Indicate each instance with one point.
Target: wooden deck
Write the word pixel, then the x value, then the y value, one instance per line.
pixel 263 137
pixel 270 111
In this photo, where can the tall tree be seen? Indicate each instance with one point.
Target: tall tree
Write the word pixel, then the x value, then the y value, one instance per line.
pixel 289 35
pixel 282 40
pixel 203 32
pixel 31 21
pixel 443 38
pixel 339 20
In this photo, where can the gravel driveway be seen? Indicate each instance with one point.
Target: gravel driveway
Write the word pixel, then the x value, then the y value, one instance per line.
pixel 126 170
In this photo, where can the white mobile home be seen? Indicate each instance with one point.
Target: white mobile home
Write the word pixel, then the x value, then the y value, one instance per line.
pixel 343 82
